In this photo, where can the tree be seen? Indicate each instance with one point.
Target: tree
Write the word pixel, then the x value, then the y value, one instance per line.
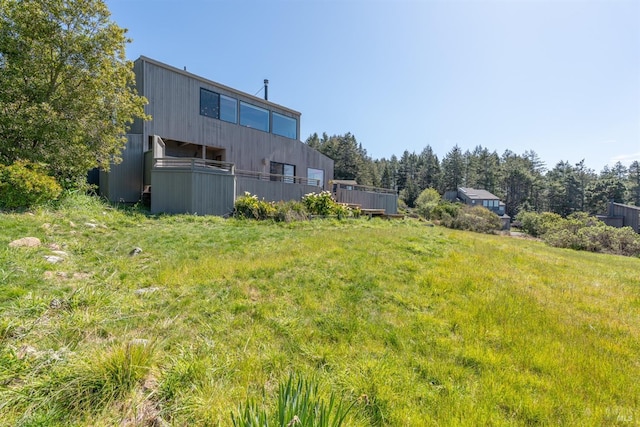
pixel 66 89
pixel 633 180
pixel 452 169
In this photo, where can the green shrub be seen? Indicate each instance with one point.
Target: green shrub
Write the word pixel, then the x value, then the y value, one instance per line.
pixel 445 210
pixel 24 184
pixel 473 218
pixel 249 206
pixel 323 204
pixel 537 224
pixel 290 211
pixel 427 202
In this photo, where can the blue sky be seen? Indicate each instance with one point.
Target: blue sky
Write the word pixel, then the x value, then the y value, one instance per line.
pixel 561 78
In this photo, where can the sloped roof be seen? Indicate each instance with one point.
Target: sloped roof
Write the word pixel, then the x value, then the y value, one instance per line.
pixel 474 194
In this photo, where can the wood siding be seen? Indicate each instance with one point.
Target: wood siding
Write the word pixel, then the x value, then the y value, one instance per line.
pixel 198 191
pixel 273 191
pixel 124 181
pixel 630 215
pixel 174 104
pixel 368 199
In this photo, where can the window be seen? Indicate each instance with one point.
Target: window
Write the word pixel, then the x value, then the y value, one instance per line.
pixel 315 174
pixel 254 117
pixel 209 103
pixel 284 126
pixel 287 172
pixel 228 109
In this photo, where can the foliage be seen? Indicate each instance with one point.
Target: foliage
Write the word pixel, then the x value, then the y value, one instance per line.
pixel 580 231
pixel 66 88
pixel 323 204
pixel 537 224
pixel 473 218
pixel 417 325
pixel 427 201
pixel 249 206
pixel 298 403
pixel 24 184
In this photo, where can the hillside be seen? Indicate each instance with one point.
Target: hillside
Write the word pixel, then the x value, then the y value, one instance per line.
pixel 413 325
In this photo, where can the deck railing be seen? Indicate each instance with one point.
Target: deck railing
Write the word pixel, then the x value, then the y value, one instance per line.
pixel 193 163
pixel 368 188
pixel 281 178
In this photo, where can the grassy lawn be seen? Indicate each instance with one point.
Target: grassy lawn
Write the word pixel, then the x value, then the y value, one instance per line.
pixel 413 325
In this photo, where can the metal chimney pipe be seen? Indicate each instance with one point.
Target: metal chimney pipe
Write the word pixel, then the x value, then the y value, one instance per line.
pixel 266 89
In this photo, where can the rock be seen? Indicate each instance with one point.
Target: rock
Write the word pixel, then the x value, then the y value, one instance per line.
pixel 60 253
pixel 26 242
pixel 135 251
pixel 143 291
pixel 54 246
pixel 90 224
pixel 56 304
pixel 53 259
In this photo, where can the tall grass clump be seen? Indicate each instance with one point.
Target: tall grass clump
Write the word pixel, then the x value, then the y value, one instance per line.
pixel 77 389
pixel 298 404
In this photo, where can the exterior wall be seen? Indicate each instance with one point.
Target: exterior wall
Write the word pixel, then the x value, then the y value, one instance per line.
pixel 174 104
pixel 195 191
pixel 124 182
pixel 630 215
pixel 368 199
pixel 273 191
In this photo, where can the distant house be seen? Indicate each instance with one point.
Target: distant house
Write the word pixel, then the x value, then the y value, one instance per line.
pixel 208 143
pixel 620 215
pixel 474 197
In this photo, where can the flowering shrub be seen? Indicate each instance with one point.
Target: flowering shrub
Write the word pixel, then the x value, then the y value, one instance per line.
pixel 323 204
pixel 248 206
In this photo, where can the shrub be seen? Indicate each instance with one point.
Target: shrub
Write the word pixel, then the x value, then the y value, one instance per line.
pixel 474 218
pixel 323 204
pixel 249 206
pixel 537 224
pixel 24 184
pixel 290 211
pixel 427 202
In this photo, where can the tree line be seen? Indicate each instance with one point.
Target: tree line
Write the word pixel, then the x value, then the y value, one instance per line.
pixel 521 181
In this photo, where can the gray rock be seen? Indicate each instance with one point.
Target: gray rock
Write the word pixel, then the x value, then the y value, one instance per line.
pixel 53 259
pixel 90 224
pixel 135 251
pixel 26 242
pixel 60 253
pixel 148 290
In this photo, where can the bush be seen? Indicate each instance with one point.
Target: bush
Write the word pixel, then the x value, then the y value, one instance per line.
pixel 290 211
pixel 537 224
pixel 248 206
pixel 427 202
pixel 323 204
pixel 580 231
pixel 473 218
pixel 24 184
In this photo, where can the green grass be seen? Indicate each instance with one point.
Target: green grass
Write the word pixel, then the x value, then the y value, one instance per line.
pixel 412 325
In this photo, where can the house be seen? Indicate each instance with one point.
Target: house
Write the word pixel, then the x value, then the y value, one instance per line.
pixel 207 144
pixel 621 215
pixel 474 197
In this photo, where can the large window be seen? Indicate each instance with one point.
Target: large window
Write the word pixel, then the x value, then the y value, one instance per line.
pixel 228 109
pixel 209 103
pixel 315 174
pixel 218 106
pixel 287 172
pixel 284 126
pixel 254 117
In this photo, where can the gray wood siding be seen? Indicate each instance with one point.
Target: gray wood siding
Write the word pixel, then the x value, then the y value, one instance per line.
pixel 368 199
pixel 191 191
pixel 174 104
pixel 630 214
pixel 273 191
pixel 124 182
